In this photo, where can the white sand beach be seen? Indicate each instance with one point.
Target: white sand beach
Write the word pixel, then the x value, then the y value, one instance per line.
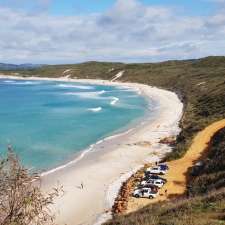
pixel 110 162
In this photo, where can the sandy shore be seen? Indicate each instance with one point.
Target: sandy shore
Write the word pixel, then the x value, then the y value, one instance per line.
pixel 112 161
pixel 178 176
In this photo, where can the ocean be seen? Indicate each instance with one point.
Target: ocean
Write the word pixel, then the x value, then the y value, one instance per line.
pixel 49 122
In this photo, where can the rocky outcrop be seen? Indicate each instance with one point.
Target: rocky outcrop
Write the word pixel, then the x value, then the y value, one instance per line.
pixel 126 190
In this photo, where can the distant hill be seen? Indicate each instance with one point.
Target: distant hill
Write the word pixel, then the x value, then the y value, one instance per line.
pixel 7 67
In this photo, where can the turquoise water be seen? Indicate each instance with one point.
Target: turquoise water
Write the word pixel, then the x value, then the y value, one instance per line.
pixel 48 122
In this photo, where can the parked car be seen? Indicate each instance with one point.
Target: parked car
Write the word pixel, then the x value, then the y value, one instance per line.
pixel 163 166
pixel 149 176
pixel 158 183
pixel 145 193
pixel 156 170
pixel 150 186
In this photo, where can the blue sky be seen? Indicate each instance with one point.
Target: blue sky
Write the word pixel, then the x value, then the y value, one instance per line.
pixel 56 31
pixel 71 7
pixel 59 7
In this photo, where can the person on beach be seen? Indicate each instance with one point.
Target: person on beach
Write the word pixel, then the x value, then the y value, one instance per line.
pixel 82 185
pixel 166 192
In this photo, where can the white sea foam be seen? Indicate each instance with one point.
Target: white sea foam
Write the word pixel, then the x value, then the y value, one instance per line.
pixel 114 100
pixel 28 82
pixel 9 81
pixel 91 94
pixel 21 82
pixel 83 87
pixel 99 142
pixel 101 92
pixel 98 109
pixel 83 153
pixel 129 89
pixel 118 135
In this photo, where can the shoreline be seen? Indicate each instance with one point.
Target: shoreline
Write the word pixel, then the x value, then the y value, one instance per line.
pixel 103 171
pixel 114 135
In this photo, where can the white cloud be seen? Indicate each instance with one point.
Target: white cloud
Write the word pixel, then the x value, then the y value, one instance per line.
pixel 126 32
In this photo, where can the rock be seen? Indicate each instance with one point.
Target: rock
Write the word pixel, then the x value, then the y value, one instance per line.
pixel 168 140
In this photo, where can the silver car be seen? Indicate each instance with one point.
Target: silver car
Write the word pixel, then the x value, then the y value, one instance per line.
pixel 145 193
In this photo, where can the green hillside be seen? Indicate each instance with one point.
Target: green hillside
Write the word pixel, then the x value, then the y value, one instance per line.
pixel 204 210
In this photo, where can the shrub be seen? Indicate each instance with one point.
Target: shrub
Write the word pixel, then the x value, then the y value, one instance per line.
pixel 21 200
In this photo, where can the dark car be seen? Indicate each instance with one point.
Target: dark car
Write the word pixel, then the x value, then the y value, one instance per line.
pixel 163 166
pixel 151 186
pixel 149 176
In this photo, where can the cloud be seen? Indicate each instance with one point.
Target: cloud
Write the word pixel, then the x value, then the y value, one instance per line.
pixel 131 32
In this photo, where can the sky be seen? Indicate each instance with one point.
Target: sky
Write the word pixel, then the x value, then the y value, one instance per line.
pixel 72 31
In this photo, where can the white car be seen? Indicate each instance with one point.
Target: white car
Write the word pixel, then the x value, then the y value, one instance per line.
pixel 158 183
pixel 145 193
pixel 156 170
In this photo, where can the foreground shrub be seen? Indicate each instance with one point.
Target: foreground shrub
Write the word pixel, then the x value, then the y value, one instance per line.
pixel 21 200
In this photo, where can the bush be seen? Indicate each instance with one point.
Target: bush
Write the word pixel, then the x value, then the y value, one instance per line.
pixel 21 200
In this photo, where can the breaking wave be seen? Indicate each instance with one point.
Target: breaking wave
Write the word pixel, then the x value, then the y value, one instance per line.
pixel 9 81
pixel 83 87
pixel 91 94
pixel 114 100
pixel 98 109
pixel 21 82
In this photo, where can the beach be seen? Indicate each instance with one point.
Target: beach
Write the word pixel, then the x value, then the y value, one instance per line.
pixel 91 183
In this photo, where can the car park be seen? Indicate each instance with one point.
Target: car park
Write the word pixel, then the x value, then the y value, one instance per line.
pixel 151 182
pixel 145 193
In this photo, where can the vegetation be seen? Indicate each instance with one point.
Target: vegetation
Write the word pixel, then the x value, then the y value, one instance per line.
pixel 21 201
pixel 212 175
pixel 206 210
pixel 199 83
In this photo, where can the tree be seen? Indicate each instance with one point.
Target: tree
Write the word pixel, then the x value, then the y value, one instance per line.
pixel 21 200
